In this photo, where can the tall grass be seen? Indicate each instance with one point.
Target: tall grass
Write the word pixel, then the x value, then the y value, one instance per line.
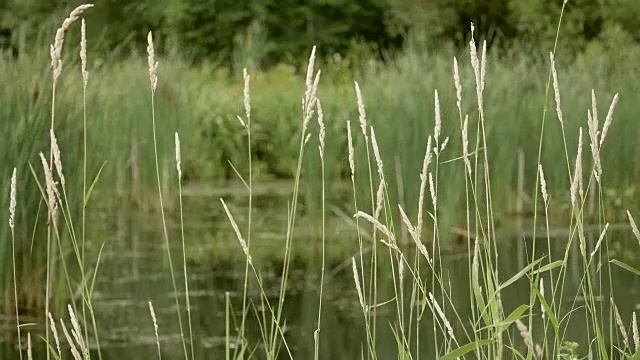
pixel 494 330
pixel 153 79
pixel 124 158
pixel 408 175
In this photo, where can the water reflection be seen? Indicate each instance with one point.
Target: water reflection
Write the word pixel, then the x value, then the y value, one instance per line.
pixel 134 271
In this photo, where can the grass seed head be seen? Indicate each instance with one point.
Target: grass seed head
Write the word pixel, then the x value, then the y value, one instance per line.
pixel 543 185
pixel 153 64
pixel 362 114
pixel 54 331
pixel 56 47
pixel 458 86
pixel 321 131
pixel 556 88
pixel 352 164
pixel 247 94
pixel 608 119
pixel 438 124
pixel 72 345
pixel 12 200
pixel 636 332
pixel 178 156
pixel 83 53
pixel 356 279
pixel 621 327
pixel 576 183
pixel 57 158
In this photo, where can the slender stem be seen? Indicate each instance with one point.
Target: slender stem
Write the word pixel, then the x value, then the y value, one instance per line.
pixel 164 224
pixel 84 183
pixel 227 348
pixel 184 263
pixel 50 221
pixel 317 333
pixel 288 241
pixel 537 183
pixel 246 264
pixel 15 288
pixel 373 283
pixel 367 319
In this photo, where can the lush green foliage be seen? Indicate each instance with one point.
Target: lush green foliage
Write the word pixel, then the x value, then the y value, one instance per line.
pixel 202 102
pixel 254 34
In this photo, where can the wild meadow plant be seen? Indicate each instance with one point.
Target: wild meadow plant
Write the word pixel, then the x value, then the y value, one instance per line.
pixel 489 333
pixel 419 277
pixel 57 200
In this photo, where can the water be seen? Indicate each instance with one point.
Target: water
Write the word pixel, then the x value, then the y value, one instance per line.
pixel 134 271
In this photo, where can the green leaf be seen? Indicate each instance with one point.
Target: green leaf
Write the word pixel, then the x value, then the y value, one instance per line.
pixel 625 266
pixel 35 177
pixel 601 345
pixel 52 350
pixel 515 352
pixel 548 311
pixel 95 271
pixel 520 273
pixel 548 267
pixel 477 292
pixel 402 352
pixel 492 304
pixel 515 315
pixel 456 353
pixel 95 180
pixel 43 198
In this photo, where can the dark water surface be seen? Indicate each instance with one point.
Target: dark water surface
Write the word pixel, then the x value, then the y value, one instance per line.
pixel 134 270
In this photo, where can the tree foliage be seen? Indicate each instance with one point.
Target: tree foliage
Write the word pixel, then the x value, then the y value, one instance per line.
pixel 264 32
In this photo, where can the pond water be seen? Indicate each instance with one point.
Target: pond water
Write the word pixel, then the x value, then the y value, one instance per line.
pixel 134 271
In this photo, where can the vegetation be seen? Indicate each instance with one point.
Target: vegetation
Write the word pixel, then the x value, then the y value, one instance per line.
pixel 424 151
pixel 263 34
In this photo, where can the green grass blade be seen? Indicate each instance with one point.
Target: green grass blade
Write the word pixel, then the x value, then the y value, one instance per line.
pixel 548 267
pixel 515 315
pixel 93 184
pixel 35 177
pixel 601 345
pixel 549 312
pixel 520 274
pixel 95 272
pixel 625 266
pixel 456 353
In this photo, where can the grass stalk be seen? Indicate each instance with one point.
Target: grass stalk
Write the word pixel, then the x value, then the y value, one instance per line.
pixel 247 125
pixel 153 77
pixel 309 103
pixel 321 136
pixel 12 216
pixel 85 78
pixel 155 328
pixel 184 249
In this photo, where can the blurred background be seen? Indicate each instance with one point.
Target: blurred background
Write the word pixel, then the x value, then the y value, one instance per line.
pixel 399 51
pixel 262 34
